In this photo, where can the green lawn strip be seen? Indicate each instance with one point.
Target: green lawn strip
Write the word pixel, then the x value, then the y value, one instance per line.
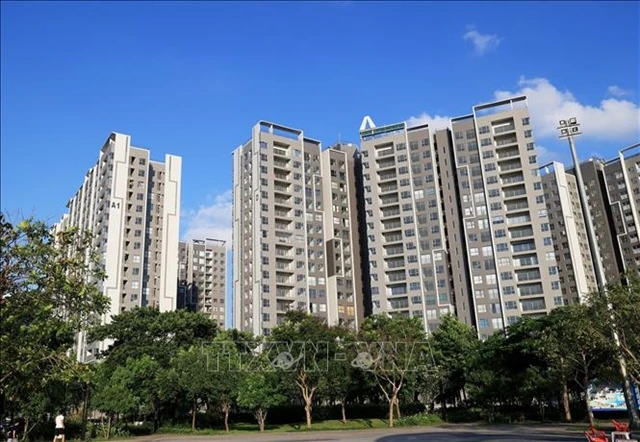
pixel 329 425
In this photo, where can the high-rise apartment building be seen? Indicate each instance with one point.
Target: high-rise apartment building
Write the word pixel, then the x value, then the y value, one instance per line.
pixel 295 230
pixel 405 230
pixel 569 233
pixel 202 277
pixel 613 191
pixel 132 205
pixel 512 265
pixel 458 219
pixel 622 178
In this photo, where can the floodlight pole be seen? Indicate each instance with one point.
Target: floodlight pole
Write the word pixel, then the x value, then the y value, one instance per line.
pixel 569 129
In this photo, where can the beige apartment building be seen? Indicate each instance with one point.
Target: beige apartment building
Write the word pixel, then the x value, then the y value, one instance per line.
pixel 568 232
pixel 511 259
pixel 295 230
pixel 202 277
pixel 405 231
pixel 457 221
pixel 132 205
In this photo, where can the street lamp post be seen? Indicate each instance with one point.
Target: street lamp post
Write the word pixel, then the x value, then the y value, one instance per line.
pixel 569 129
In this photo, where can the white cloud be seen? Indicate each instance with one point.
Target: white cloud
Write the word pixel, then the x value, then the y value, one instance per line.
pixel 211 221
pixel 546 155
pixel 436 122
pixel 617 91
pixel 481 42
pixel 612 119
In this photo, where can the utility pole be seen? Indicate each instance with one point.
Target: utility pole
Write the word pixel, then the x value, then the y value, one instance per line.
pixel 569 129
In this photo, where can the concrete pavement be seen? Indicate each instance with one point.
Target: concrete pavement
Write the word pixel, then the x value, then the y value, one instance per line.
pixel 441 433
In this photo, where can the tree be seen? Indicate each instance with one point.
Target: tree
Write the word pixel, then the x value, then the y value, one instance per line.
pixel 190 372
pixel 618 308
pixel 400 346
pixel 454 344
pixel 112 395
pixel 258 393
pixel 339 380
pixel 225 362
pixel 584 344
pixel 301 347
pixel 147 331
pixel 49 293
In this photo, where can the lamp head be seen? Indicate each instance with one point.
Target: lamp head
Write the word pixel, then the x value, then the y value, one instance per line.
pixel 563 123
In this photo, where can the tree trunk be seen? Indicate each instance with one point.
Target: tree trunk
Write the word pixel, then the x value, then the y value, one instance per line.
pixel 397 401
pixel 307 410
pixel 391 403
pixel 155 420
pixel 344 412
pixel 225 409
pixel 194 411
pixel 585 390
pixel 566 407
pixel 109 426
pixel 261 415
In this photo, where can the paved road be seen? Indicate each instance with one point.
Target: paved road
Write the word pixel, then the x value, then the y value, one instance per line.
pixel 444 433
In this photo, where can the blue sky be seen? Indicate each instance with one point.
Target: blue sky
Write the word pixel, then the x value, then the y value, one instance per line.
pixel 192 79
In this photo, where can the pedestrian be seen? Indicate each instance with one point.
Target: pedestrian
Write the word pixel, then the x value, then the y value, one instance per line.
pixel 59 431
pixel 11 430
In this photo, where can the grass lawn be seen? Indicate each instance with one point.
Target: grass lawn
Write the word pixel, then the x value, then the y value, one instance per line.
pixel 351 424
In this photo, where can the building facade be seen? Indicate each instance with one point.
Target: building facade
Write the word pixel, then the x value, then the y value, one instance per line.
pixel 622 178
pixel 512 265
pixel 202 277
pixel 405 231
pixel 457 221
pixel 569 233
pixel 295 230
pixel 132 205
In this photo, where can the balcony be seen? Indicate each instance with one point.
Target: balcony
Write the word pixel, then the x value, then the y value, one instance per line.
pixel 387 176
pixel 506 141
pixel 385 188
pixel 510 165
pixel 396 277
pixel 280 152
pixel 386 163
pixel 517 205
pixel 508 153
pixel 513 179
pixel 395 250
pixel 526 261
pixel 520 232
pixel 504 129
pixel 391 225
pixel 391 238
pixel 514 192
pixel 394 263
pixel 389 212
pixel 384 152
pixel 522 247
pixel 390 199
pixel 281 188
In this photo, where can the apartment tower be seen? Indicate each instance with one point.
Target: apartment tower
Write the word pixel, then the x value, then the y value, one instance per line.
pixel 569 233
pixel 202 277
pixel 295 230
pixel 132 205
pixel 405 231
pixel 511 259
pixel 457 221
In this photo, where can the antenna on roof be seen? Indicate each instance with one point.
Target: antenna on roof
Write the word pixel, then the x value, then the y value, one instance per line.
pixel 339 138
